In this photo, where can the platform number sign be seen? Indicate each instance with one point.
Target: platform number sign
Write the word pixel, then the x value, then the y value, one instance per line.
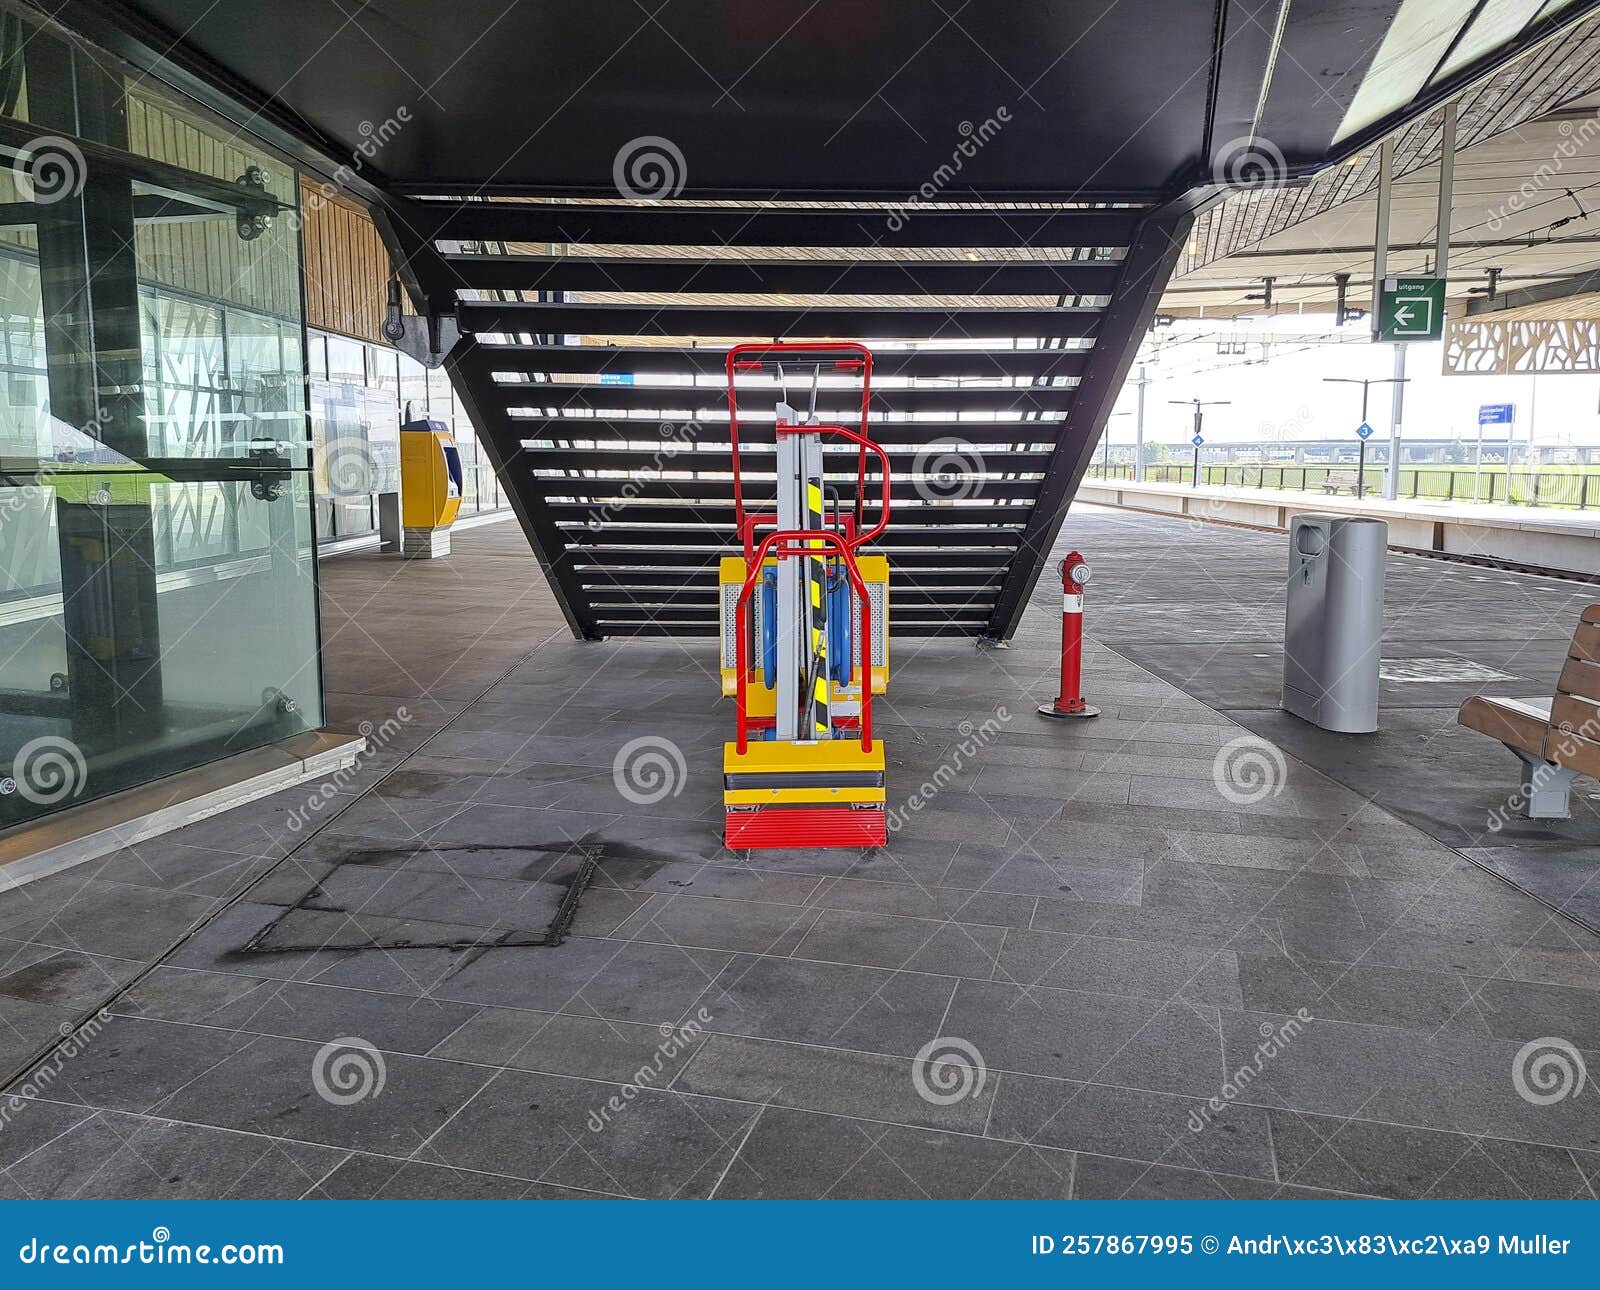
pixel 1197 441
pixel 1364 432
pixel 1410 309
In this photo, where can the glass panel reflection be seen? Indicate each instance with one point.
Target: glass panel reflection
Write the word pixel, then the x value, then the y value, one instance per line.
pixel 157 572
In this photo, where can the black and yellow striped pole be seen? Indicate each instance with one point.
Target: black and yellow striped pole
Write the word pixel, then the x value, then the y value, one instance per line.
pixel 817 576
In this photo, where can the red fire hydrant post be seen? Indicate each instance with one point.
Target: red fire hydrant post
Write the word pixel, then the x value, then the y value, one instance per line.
pixel 1069 703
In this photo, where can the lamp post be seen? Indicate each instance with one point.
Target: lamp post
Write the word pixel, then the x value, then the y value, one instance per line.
pixel 1366 384
pixel 1199 421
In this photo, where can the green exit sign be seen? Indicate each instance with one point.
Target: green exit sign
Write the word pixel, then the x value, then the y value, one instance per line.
pixel 1410 309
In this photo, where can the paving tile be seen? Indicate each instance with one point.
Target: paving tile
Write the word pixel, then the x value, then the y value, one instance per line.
pixel 1030 873
pixel 27 1124
pixel 1240 931
pixel 750 926
pixel 738 882
pixel 651 1144
pixel 1406 1163
pixel 130 1064
pixel 294 1010
pixel 1380 996
pixel 1103 1178
pixel 915 944
pixel 1075 1035
pixel 1132 1124
pixel 564 1045
pixel 101 917
pixel 270 1085
pixel 366 1177
pixel 1468 1084
pixel 834 1005
pixel 909 898
pixel 865 1085
pixel 621 980
pixel 1527 1010
pixel 1564 876
pixel 52 978
pixel 111 1156
pixel 1321 1065
pixel 1108 966
pixel 1056 787
pixel 167 865
pixel 796 1155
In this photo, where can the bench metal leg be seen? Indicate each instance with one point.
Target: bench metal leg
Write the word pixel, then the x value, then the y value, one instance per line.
pixel 1546 789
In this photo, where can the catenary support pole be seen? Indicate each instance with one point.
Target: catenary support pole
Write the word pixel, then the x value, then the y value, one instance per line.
pixel 1397 405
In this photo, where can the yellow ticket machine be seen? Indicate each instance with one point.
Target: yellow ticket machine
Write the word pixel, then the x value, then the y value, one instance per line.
pixel 430 488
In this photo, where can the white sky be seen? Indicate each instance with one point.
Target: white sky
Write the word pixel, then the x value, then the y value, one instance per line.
pixel 1285 398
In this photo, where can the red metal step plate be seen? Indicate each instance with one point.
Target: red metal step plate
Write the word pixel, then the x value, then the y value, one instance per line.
pixel 799 826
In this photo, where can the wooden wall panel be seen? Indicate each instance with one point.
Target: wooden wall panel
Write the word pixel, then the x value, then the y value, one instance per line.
pixel 346 266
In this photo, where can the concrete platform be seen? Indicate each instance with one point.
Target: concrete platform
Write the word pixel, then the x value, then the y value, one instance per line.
pixel 1046 985
pixel 1545 538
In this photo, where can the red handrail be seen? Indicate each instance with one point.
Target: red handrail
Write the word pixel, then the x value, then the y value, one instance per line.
pixel 861 482
pixel 858 585
pixel 736 363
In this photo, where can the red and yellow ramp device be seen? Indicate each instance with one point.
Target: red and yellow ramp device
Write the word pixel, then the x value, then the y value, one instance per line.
pixel 804 620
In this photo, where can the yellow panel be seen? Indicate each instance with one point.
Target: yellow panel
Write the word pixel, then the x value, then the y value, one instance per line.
pixel 824 756
pixel 800 796
pixel 874 569
pixel 426 500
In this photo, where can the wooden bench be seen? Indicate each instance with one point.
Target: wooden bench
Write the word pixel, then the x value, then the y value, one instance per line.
pixel 1335 480
pixel 1555 739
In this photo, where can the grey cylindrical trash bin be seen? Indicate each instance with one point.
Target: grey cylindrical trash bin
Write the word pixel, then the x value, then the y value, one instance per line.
pixel 1334 620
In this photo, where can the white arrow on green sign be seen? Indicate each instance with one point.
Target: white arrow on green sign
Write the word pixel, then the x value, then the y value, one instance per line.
pixel 1410 309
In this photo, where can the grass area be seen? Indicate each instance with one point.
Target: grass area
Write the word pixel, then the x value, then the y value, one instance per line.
pixel 1569 487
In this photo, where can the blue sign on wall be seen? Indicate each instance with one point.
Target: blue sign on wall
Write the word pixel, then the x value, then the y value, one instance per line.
pixel 616 378
pixel 1497 414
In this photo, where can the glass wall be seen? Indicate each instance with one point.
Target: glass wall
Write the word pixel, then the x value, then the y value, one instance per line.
pixel 158 594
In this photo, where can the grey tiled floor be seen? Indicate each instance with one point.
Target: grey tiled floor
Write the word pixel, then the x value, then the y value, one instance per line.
pixel 1095 935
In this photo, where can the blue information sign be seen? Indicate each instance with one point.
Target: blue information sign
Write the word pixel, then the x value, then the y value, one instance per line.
pixel 1364 431
pixel 1497 414
pixel 1197 441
